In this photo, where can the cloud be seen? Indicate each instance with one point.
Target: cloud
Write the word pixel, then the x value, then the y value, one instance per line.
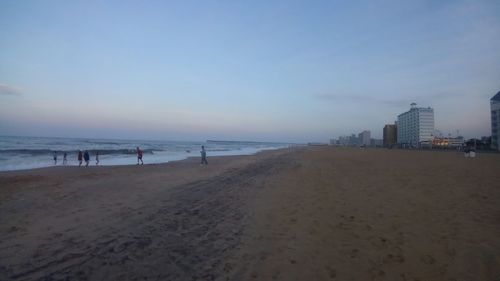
pixel 360 99
pixel 7 90
pixel 396 102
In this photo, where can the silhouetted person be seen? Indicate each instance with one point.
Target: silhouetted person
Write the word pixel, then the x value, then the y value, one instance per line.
pixel 97 158
pixel 139 156
pixel 65 159
pixel 86 157
pixel 80 157
pixel 55 158
pixel 203 156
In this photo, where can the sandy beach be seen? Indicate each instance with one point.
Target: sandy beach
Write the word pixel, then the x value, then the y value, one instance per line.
pixel 313 213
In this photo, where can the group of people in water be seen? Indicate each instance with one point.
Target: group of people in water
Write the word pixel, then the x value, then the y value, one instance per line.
pixel 81 157
pixel 85 156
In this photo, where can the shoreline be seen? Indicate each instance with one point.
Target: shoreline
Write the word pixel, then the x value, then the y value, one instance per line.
pixel 92 161
pixel 190 158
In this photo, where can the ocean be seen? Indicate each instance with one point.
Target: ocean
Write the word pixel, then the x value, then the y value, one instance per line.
pixel 19 153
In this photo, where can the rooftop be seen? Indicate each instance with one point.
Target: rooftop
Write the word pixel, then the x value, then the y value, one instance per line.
pixel 496 97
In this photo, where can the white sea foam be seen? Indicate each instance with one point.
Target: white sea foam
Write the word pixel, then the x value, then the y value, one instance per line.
pixel 18 153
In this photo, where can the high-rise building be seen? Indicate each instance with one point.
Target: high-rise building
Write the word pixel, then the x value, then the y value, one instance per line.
pixel 495 121
pixel 351 140
pixel 364 138
pixel 376 142
pixel 415 126
pixel 390 135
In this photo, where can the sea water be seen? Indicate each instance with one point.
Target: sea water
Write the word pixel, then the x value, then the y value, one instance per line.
pixel 19 153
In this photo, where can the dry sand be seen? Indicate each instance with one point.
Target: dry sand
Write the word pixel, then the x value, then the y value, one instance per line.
pixel 305 214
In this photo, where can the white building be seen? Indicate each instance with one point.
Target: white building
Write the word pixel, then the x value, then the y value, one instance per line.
pixel 364 138
pixel 495 121
pixel 415 126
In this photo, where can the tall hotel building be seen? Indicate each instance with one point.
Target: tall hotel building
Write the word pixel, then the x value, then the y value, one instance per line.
pixel 415 126
pixel 390 135
pixel 364 138
pixel 495 121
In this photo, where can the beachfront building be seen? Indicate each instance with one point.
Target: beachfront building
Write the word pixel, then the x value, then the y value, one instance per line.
pixel 448 142
pixel 495 121
pixel 351 140
pixel 376 142
pixel 343 140
pixel 390 135
pixel 416 126
pixel 364 138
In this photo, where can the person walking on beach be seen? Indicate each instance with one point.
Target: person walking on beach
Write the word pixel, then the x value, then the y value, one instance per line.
pixel 86 157
pixel 80 157
pixel 139 156
pixel 55 158
pixel 97 158
pixel 203 156
pixel 65 159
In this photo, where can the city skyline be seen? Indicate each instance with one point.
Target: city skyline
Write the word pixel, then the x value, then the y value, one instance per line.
pixel 281 71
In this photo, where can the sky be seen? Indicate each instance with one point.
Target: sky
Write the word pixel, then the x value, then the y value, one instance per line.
pixel 290 71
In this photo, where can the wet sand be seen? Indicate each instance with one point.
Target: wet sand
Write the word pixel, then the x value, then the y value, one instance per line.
pixel 304 214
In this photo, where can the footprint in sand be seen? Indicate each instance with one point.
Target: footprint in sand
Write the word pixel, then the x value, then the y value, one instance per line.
pixel 228 267
pixel 377 273
pixel 354 253
pixel 451 252
pixel 428 259
pixel 14 229
pixel 332 273
pixel 56 235
pixel 398 258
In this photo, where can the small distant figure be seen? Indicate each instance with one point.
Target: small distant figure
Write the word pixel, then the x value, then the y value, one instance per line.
pixel 55 158
pixel 203 156
pixel 65 158
pixel 139 156
pixel 86 157
pixel 97 158
pixel 80 157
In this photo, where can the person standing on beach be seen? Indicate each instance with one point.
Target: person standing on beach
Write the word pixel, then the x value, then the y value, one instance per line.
pixel 139 156
pixel 80 157
pixel 203 156
pixel 86 157
pixel 97 158
pixel 55 158
pixel 65 159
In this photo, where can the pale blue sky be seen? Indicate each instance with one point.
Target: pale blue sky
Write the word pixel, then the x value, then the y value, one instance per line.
pixel 252 70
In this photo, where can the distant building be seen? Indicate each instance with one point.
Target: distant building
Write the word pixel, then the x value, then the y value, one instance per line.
pixel 364 138
pixel 376 142
pixel 495 121
pixel 486 141
pixel 448 142
pixel 343 140
pixel 390 135
pixel 351 140
pixel 415 126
